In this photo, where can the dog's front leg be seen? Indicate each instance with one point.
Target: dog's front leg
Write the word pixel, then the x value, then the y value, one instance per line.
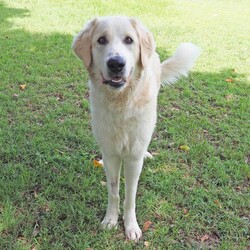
pixel 112 165
pixel 132 170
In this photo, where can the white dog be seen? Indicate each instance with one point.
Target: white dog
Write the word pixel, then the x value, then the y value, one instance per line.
pixel 125 76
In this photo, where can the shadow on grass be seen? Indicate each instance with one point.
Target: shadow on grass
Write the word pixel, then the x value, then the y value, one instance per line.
pixel 7 13
pixel 47 147
pixel 44 135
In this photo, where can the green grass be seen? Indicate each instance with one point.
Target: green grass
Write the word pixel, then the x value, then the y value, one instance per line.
pixel 51 196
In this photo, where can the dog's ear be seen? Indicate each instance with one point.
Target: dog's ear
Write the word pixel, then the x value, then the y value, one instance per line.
pixel 146 40
pixel 82 43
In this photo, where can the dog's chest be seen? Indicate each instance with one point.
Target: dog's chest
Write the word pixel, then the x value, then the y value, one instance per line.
pixel 122 132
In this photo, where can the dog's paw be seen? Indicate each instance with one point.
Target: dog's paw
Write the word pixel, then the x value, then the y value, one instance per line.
pixel 147 155
pixel 109 222
pixel 133 232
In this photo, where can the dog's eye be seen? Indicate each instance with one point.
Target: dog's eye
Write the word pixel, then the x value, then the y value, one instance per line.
pixel 128 40
pixel 102 40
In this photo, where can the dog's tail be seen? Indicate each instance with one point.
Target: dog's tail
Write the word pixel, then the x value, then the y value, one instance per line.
pixel 180 63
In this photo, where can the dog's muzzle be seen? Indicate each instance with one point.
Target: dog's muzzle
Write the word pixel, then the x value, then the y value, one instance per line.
pixel 116 66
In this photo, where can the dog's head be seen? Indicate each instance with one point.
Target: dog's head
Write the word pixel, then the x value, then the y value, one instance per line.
pixel 114 49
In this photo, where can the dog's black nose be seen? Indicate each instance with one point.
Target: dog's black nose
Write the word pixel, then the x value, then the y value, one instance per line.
pixel 116 64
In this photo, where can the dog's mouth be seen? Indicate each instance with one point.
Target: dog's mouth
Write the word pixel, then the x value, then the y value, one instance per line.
pixel 115 82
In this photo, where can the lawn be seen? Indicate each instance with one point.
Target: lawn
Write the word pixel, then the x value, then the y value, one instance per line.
pixel 51 195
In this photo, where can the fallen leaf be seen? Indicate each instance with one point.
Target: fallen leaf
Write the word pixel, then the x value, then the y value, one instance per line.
pixel 159 216
pixel 59 151
pixel 229 80
pixel 185 147
pixel 171 144
pixel 59 97
pixel 146 244
pixel 155 153
pixel 175 108
pixel 174 241
pixel 60 119
pixel 62 217
pixel 98 164
pixel 35 194
pixel 186 176
pixel 55 170
pixel 46 208
pixel 22 86
pixel 185 211
pixel 228 97
pixel 103 183
pixel 218 203
pixel 247 159
pixel 205 238
pixel 36 229
pixel 22 238
pixel 147 225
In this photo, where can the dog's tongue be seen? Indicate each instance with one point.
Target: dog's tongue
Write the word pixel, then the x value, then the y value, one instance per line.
pixel 116 79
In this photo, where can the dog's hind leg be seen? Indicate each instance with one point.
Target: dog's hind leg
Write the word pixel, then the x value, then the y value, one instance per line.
pixel 112 165
pixel 147 155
